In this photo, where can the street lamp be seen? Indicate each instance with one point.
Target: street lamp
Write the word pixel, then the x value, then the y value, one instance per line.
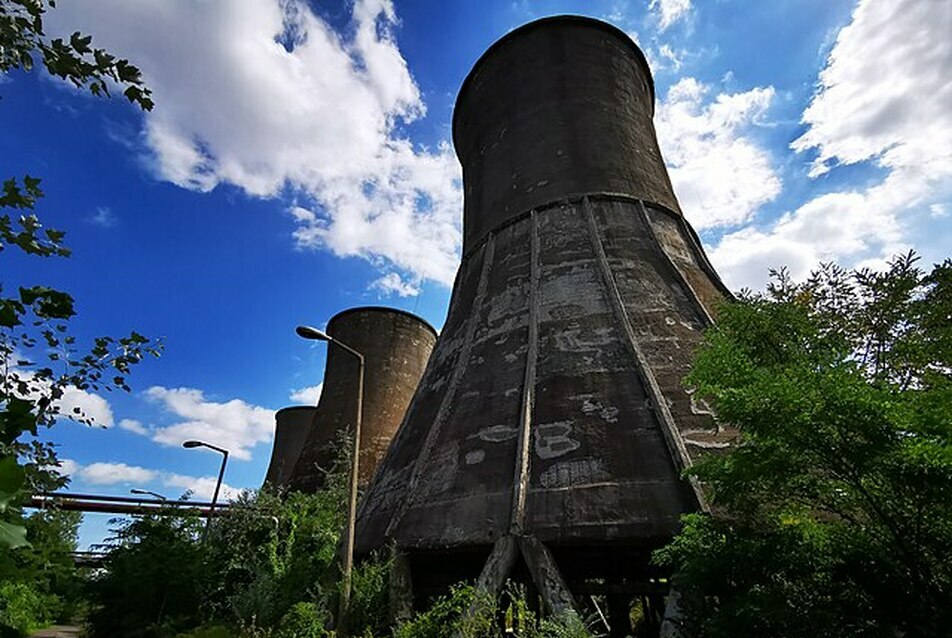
pixel 307 332
pixel 221 475
pixel 136 490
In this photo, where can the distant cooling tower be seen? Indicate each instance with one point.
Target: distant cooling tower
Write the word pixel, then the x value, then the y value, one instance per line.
pixel 396 346
pixel 292 426
pixel 552 422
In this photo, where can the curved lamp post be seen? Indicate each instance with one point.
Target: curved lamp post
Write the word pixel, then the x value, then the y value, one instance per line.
pixel 221 475
pixel 307 332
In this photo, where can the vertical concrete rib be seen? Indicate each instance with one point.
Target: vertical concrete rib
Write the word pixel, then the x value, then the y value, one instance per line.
pixel 694 244
pixel 659 403
pixel 520 482
pixel 449 397
pixel 695 300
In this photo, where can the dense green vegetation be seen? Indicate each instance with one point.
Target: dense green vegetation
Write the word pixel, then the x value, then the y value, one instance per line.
pixel 833 517
pixel 269 569
pixel 270 562
pixel 39 584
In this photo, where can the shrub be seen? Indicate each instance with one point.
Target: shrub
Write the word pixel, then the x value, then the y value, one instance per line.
pixel 23 609
pixel 303 620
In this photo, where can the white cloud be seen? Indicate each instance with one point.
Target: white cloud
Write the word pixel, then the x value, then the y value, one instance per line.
pixel 673 57
pixel 320 113
pixel 133 426
pixel 392 283
pixel 670 11
pixel 202 487
pixel 883 98
pixel 75 403
pixel 234 425
pixel 67 467
pixel 90 406
pixel 844 227
pixel 720 175
pixel 107 473
pixel 885 92
pixel 309 395
pixel 104 217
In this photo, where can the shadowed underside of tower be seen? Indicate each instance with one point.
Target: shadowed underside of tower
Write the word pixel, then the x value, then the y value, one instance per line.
pixel 551 420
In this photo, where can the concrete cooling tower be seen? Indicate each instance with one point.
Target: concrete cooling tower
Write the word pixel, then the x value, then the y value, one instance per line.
pixel 552 422
pixel 291 429
pixel 396 346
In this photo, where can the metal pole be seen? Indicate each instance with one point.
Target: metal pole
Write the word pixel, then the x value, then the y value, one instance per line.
pixel 221 475
pixel 348 567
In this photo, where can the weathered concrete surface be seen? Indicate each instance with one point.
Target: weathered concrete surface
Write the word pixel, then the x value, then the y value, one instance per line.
pixel 557 107
pixel 396 346
pixel 292 427
pixel 552 408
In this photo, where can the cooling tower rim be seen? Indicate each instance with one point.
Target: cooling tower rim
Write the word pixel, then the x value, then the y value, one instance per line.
pixel 542 22
pixel 294 408
pixel 696 245
pixel 383 310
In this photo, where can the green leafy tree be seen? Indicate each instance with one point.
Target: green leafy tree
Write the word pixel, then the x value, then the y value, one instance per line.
pixel 39 359
pixel 268 564
pixel 40 584
pixel 152 582
pixel 832 515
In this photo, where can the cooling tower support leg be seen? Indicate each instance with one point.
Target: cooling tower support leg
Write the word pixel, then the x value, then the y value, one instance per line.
pixel 546 575
pixel 673 616
pixel 401 588
pixel 498 566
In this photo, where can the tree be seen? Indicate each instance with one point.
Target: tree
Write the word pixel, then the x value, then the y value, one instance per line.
pixel 39 359
pixel 832 517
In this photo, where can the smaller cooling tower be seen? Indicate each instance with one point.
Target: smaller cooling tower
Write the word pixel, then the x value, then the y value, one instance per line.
pixel 396 346
pixel 292 426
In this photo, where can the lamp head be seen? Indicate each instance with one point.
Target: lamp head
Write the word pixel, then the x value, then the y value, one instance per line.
pixel 191 444
pixel 307 332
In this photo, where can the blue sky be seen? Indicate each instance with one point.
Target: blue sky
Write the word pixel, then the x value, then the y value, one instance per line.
pixel 298 162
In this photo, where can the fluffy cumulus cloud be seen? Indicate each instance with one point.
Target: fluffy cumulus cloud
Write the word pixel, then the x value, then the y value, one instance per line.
pixel 107 473
pixel 670 11
pixel 74 403
pixel 133 426
pixel 100 474
pixel 885 93
pixel 850 227
pixel 201 487
pixel 266 96
pixel 307 396
pixel 233 425
pixel 720 174
pixel 884 98
pixel 393 284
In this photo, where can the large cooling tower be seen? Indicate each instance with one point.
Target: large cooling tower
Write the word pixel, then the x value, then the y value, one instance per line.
pixel 291 428
pixel 551 421
pixel 396 346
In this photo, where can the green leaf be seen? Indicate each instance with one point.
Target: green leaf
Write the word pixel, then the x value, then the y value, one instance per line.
pixel 13 535
pixel 12 476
